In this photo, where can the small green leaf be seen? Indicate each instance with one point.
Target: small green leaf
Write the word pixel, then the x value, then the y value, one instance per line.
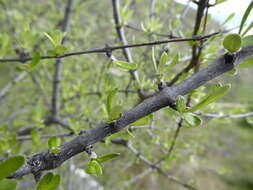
pixel 248 29
pixel 54 142
pixel 191 119
pixel 125 65
pixel 107 157
pixel 220 1
pixel 51 52
pixel 60 50
pixel 215 93
pixel 8 184
pixel 10 165
pixel 35 137
pixel 35 60
pixel 115 112
pixel 229 18
pixel 245 16
pixel 181 104
pixel 163 61
pixel 94 168
pixel 49 182
pixel 246 63
pixel 50 38
pixel 143 121
pixel 173 63
pixel 232 42
pixel 110 99
pixel 233 72
pixel 22 68
pixel 247 40
pixel 154 59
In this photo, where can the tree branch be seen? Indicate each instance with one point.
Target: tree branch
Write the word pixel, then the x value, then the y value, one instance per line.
pixel 112 48
pixel 58 65
pixel 166 97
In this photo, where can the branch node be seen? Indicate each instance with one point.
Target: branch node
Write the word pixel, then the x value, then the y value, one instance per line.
pixel 108 50
pixel 229 58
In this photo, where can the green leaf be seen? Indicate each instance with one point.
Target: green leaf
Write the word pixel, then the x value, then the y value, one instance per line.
pixel 163 61
pixel 110 99
pixel 60 50
pixel 125 65
pixel 232 42
pixel 247 40
pixel 35 137
pixel 191 119
pixel 173 63
pixel 248 29
pixel 115 112
pixel 233 72
pixel 22 68
pixel 229 18
pixel 216 92
pixel 50 38
pixel 49 182
pixel 54 142
pixel 245 16
pixel 154 59
pixel 181 104
pixel 143 121
pixel 107 157
pixel 10 165
pixel 220 1
pixel 246 63
pixel 35 60
pixel 94 168
pixel 8 184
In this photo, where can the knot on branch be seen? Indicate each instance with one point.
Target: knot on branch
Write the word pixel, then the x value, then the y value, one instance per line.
pixel 36 163
pixel 108 50
pixel 229 58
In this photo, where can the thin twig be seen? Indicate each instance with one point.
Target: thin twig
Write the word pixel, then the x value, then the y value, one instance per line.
pixel 112 48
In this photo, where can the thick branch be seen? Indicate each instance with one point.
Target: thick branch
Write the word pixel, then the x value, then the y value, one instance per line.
pixel 166 97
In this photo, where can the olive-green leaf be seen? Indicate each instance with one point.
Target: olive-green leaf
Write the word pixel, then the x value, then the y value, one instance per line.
pixel 107 157
pixel 10 165
pixel 232 42
pixel 35 60
pixel 125 65
pixel 248 29
pixel 180 104
pixel 162 62
pixel 60 50
pixel 50 38
pixel 94 168
pixel 154 60
pixel 143 121
pixel 49 182
pixel 247 40
pixel 109 100
pixel 246 63
pixel 8 184
pixel 229 18
pixel 245 16
pixel 215 93
pixel 173 63
pixel 54 142
pixel 115 112
pixel 191 119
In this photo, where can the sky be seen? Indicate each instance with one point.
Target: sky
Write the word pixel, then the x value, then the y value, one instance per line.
pixel 223 10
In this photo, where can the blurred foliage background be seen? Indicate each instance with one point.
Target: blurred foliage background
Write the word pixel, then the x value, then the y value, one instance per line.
pixel 216 155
